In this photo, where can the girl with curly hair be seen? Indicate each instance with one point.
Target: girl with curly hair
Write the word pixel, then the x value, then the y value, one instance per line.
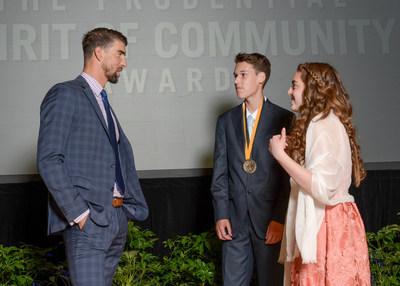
pixel 324 241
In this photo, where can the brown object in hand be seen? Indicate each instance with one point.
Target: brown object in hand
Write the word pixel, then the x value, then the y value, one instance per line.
pixel 117 202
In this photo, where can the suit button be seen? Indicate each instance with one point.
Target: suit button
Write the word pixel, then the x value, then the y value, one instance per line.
pixel 249 192
pixel 113 166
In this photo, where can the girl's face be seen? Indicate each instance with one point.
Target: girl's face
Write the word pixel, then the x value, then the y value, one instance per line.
pixel 296 92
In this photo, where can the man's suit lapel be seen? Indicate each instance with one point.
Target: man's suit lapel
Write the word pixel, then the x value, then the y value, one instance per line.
pixel 93 102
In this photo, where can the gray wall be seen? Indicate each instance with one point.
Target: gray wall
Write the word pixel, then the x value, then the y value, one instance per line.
pixel 180 63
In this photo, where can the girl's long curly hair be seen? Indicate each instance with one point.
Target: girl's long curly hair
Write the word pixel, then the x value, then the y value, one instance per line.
pixel 324 91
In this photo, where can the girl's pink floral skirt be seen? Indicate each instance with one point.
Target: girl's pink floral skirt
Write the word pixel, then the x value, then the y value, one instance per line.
pixel 342 251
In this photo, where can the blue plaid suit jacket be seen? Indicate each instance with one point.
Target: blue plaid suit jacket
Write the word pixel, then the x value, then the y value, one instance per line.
pixel 76 161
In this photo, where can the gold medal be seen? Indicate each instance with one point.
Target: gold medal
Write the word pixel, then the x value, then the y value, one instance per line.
pixel 249 166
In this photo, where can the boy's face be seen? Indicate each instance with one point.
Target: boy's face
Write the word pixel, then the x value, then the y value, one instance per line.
pixel 247 82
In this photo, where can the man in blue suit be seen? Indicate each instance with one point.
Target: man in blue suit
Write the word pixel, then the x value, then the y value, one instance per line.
pixel 87 164
pixel 250 190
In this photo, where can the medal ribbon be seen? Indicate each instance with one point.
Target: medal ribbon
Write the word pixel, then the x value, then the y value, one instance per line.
pixel 249 146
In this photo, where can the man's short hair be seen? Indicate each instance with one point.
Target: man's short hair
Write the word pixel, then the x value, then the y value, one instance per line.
pixel 100 37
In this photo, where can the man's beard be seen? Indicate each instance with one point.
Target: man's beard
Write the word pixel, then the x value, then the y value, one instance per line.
pixel 111 77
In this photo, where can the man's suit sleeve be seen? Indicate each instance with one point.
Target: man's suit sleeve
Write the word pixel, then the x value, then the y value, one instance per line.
pixel 56 123
pixel 219 185
pixel 280 208
pixel 135 205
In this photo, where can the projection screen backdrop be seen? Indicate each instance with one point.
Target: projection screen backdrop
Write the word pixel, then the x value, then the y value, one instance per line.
pixel 180 63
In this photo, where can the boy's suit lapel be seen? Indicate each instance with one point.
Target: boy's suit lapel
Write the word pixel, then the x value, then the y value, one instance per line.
pixel 237 120
pixel 265 123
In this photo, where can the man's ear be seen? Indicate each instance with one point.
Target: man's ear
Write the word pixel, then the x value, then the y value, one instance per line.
pixel 98 53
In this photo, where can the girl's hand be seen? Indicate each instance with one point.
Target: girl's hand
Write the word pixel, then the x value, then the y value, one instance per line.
pixel 278 144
